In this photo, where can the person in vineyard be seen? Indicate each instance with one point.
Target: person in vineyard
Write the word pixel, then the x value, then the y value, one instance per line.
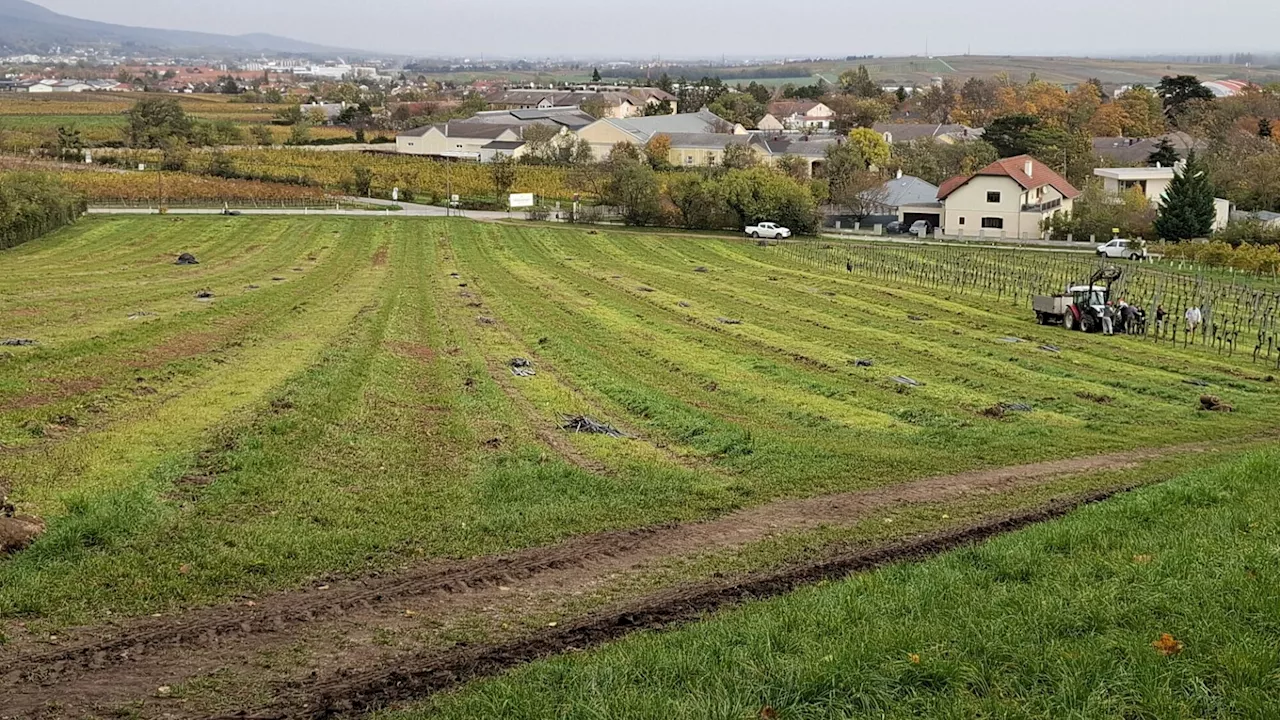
pixel 1129 316
pixel 1109 319
pixel 1194 318
pixel 1161 314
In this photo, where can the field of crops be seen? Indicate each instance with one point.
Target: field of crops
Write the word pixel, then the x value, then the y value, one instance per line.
pixel 325 403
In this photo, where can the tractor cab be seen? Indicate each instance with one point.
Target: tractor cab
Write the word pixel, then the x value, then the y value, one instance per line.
pixel 1094 297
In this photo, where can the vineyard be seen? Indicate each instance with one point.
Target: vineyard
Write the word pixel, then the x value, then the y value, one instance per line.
pixel 1240 315
pixel 424 177
pixel 334 448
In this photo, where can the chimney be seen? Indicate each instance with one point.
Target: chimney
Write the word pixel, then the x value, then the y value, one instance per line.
pixel 1029 168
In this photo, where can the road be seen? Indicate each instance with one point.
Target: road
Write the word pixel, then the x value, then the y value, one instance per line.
pixel 406 210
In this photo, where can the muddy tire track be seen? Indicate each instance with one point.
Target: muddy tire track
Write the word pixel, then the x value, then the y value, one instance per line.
pixel 360 692
pixel 95 667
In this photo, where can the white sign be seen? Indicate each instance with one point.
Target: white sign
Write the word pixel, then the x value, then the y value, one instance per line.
pixel 520 200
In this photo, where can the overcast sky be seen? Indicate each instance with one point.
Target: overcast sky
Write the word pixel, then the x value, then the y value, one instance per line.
pixel 705 28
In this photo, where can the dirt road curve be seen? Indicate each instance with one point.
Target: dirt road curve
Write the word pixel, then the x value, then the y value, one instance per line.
pixel 338 664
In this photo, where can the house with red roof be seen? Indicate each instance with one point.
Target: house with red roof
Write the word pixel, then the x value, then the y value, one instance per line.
pixel 1009 198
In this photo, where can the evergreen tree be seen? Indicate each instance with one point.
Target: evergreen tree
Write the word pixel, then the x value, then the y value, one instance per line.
pixel 595 75
pixel 1165 154
pixel 1187 208
pixel 1264 128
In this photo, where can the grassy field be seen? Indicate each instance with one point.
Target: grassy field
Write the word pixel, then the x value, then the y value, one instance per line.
pixel 1160 604
pixel 344 403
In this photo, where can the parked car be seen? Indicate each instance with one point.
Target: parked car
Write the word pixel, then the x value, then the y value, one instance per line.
pixel 920 227
pixel 1121 248
pixel 893 228
pixel 768 230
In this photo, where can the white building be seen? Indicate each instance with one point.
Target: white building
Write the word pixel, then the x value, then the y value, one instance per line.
pixel 1154 182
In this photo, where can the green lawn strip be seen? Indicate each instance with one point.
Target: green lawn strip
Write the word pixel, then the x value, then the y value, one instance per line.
pixel 547 398
pixel 1044 440
pixel 82 378
pixel 118 533
pixel 1058 620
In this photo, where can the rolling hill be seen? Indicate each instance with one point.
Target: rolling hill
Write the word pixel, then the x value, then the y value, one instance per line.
pixel 27 27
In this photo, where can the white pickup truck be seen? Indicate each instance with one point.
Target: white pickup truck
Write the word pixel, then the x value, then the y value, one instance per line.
pixel 769 231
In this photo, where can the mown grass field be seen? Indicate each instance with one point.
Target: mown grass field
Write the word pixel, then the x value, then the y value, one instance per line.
pixel 344 403
pixel 1160 604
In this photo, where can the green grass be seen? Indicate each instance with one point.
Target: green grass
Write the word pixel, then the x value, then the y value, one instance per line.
pixel 1055 621
pixel 359 413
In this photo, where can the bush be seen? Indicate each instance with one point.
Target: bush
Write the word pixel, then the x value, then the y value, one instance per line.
pixel 540 212
pixel 1251 231
pixel 1257 259
pixel 32 204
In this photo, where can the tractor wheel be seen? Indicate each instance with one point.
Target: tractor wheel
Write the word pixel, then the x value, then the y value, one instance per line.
pixel 1068 321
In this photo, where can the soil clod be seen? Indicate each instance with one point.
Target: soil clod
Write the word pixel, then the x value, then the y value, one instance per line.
pixel 1213 403
pixel 17 342
pixel 864 362
pixel 204 294
pixel 17 532
pixel 187 259
pixel 729 321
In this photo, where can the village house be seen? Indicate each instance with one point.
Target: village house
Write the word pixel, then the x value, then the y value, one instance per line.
pixel 798 115
pixel 603 134
pixel 485 136
pixel 616 103
pixel 945 133
pixel 1008 198
pixel 1153 182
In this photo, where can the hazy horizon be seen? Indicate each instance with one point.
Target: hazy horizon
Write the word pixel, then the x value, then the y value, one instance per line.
pixel 674 29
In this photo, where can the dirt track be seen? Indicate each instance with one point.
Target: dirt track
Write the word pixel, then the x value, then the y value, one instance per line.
pixel 338 665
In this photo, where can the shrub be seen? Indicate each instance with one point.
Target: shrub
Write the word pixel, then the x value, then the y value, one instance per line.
pixel 32 204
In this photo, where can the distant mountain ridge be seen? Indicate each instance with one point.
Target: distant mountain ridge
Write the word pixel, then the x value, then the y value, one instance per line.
pixel 27 28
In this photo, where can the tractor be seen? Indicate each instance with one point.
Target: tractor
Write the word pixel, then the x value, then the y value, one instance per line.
pixel 1081 307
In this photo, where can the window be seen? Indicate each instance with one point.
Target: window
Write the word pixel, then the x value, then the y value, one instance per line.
pixel 962 220
pixel 993 196
pixel 993 223
pixel 688 159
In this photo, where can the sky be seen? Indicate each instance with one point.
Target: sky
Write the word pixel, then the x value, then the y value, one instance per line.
pixel 709 28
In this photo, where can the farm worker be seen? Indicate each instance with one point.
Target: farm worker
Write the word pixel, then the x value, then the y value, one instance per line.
pixel 1108 320
pixel 1129 314
pixel 1194 318
pixel 1161 314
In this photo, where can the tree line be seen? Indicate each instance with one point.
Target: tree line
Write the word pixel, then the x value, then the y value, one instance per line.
pixel 33 204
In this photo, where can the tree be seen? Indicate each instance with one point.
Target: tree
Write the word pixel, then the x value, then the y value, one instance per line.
pixel 300 134
pixel 901 94
pixel 220 165
pixel 1264 128
pixel 70 144
pixel 851 185
pixel 291 115
pixel 871 145
pixel 1097 213
pixel 152 121
pixel 595 75
pixel 858 82
pixel 1143 111
pixel 938 102
pixel 1165 154
pixel 1180 92
pixel 1011 135
pixel 739 108
pixel 935 162
pixel 261 134
pixel 503 169
pixel 596 107
pixel 633 188
pixel 228 86
pixel 362 181
pixel 854 112
pixel 761 93
pixel 658 151
pixel 739 157
pixel 1187 208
